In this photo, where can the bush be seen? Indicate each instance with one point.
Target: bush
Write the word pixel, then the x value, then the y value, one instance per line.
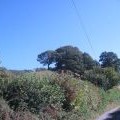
pixel 51 96
pixel 7 114
pixel 105 78
pixel 80 96
pixel 32 93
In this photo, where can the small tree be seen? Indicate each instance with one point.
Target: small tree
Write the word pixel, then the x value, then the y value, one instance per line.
pixel 47 58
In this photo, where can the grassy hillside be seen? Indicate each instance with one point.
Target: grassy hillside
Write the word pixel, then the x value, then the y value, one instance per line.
pixel 48 95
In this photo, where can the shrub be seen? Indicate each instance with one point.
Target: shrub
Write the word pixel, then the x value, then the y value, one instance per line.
pixel 80 96
pixel 7 114
pixel 32 93
pixel 51 96
pixel 105 78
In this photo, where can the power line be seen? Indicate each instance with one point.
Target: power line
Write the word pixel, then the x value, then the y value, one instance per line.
pixel 83 26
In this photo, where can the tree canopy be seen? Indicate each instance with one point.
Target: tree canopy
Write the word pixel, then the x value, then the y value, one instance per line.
pixel 70 58
pixel 47 57
pixel 88 61
pixel 67 58
pixel 110 59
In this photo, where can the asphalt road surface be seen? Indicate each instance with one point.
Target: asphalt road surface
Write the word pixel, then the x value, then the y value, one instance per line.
pixel 113 114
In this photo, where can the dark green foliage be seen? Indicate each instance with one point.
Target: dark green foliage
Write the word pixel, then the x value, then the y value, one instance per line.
pixel 88 62
pixel 105 78
pixel 47 57
pixel 69 58
pixel 110 59
pixel 33 95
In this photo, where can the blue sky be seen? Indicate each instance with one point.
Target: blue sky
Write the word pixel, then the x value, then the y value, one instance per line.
pixel 29 27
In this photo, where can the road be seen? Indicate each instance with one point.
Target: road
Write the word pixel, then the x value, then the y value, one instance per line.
pixel 113 114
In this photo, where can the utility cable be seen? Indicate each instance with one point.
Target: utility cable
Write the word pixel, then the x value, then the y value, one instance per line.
pixel 83 26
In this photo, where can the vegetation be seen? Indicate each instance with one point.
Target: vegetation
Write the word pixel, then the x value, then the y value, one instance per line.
pixel 49 93
pixel 105 78
pixel 104 74
pixel 110 59
pixel 68 58
pixel 76 88
pixel 47 58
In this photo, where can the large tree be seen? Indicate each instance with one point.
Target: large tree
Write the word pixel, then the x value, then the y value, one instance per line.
pixel 110 59
pixel 88 61
pixel 67 58
pixel 70 58
pixel 47 57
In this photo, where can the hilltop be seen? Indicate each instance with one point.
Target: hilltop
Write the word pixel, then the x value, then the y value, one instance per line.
pixel 76 87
